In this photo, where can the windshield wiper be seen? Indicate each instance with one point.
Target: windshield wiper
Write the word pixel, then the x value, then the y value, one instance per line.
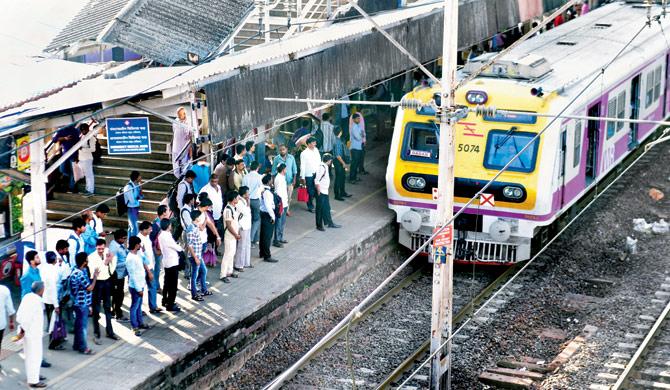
pixel 508 135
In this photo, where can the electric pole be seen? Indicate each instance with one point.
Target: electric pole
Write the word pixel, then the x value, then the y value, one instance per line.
pixel 441 325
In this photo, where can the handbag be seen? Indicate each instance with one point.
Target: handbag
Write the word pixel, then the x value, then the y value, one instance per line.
pixel 182 261
pixel 303 196
pixel 209 257
pixel 59 332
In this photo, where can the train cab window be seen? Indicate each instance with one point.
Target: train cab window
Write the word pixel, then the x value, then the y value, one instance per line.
pixel 421 142
pixel 502 146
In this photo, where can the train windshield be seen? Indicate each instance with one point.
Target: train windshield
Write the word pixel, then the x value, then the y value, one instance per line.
pixel 502 146
pixel 421 142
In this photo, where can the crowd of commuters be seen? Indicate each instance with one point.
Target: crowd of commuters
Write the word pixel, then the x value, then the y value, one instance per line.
pixel 211 218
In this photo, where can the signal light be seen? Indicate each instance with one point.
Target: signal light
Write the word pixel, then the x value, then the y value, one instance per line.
pixel 537 92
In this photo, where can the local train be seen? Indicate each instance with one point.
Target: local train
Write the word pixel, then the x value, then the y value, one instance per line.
pixel 544 186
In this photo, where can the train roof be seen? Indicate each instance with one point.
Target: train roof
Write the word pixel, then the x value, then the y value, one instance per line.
pixel 576 50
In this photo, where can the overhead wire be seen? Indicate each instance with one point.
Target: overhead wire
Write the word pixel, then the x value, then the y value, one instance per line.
pixel 581 92
pixel 279 379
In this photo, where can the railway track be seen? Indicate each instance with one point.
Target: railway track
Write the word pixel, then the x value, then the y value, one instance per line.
pixel 647 368
pixel 403 370
pixel 390 329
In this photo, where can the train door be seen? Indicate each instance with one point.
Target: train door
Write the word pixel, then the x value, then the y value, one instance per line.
pixel 592 138
pixel 667 85
pixel 634 110
pixel 562 167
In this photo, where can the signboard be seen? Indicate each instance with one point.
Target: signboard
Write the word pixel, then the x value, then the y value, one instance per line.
pixel 23 153
pixel 487 200
pixel 128 136
pixel 440 254
pixel 445 237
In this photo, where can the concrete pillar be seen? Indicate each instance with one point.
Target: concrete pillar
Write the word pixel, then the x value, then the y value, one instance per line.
pixel 38 181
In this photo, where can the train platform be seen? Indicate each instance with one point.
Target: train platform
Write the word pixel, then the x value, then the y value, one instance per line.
pixel 208 341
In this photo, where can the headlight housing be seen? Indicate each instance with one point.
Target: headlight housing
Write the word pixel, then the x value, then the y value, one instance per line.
pixel 513 192
pixel 416 182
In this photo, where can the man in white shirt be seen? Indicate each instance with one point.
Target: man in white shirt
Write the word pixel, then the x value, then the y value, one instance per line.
pixel 98 219
pixel 322 182
pixel 30 317
pixel 6 311
pixel 254 181
pixel 170 251
pixel 267 219
pixel 86 159
pixel 149 260
pixel 214 193
pixel 309 161
pixel 51 278
pixel 281 190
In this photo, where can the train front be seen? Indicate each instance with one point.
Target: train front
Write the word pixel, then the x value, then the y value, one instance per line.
pixel 499 226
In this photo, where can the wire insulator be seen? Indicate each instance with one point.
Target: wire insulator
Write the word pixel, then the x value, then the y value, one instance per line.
pixel 482 110
pixel 411 104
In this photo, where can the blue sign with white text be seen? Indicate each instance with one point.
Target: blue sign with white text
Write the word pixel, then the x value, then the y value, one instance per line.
pixel 128 136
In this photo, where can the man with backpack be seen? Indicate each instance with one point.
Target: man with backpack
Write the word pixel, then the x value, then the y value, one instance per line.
pixel 184 222
pixel 184 187
pixel 132 194
pixel 76 241
pixel 267 219
pixel 230 236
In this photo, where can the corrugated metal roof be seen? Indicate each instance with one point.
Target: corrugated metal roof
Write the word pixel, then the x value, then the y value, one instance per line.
pixel 161 30
pixel 88 24
pixel 24 83
pixel 298 45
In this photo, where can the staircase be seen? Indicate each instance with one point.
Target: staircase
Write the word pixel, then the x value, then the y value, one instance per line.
pixel 113 173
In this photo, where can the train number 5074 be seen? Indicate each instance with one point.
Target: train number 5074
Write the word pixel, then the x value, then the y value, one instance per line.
pixel 468 148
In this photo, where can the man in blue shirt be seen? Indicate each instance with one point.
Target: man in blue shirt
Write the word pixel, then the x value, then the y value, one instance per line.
pixel 132 194
pixel 341 164
pixel 136 284
pixel 250 156
pixel 118 249
pixel 287 159
pixel 253 181
pixel 82 290
pixel 33 273
pixel 357 134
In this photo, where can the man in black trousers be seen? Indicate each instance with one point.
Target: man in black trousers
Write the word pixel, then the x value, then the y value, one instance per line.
pixel 322 182
pixel 267 219
pixel 340 163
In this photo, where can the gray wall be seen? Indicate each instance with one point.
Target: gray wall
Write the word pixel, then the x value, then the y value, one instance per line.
pixel 236 104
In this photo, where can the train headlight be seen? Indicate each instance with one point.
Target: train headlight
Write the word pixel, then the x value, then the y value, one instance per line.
pixel 411 221
pixel 416 182
pixel 513 192
pixel 476 97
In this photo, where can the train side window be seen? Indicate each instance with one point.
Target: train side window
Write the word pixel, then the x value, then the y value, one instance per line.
pixel 621 113
pixel 657 83
pixel 649 97
pixel 502 146
pixel 420 142
pixel 577 147
pixel 612 113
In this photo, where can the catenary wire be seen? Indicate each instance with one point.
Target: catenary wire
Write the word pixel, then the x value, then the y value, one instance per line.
pixel 504 286
pixel 279 379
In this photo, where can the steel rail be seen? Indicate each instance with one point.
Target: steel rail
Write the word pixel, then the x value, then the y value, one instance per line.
pixel 626 375
pixel 408 363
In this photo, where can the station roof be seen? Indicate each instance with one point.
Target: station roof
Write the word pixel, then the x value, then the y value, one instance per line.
pixel 161 30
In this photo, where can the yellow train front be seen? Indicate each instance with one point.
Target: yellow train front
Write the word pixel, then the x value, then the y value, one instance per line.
pixel 498 227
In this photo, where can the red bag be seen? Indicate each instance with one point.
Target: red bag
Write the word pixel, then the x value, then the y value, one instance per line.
pixel 303 196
